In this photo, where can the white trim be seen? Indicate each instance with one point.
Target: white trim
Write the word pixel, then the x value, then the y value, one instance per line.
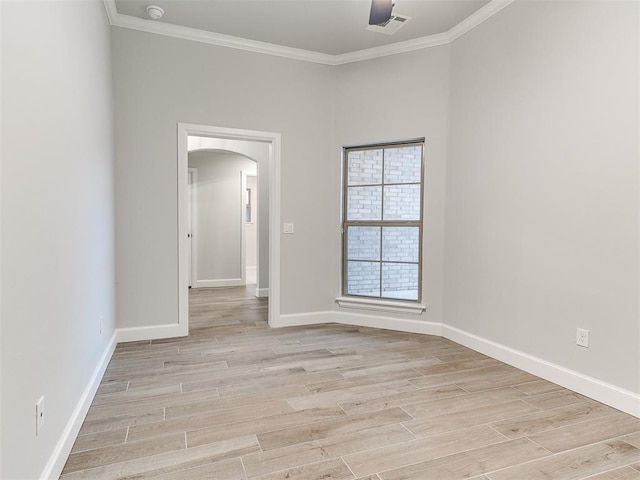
pixel 185 33
pixel 254 272
pixel 476 18
pixel 638 258
pixel 243 226
pixel 61 452
pixel 152 332
pixel 111 9
pixel 255 221
pixel 616 397
pixel 221 282
pixel 299 319
pixel 2 383
pixel 211 38
pixel 183 271
pixel 274 140
pixel 193 198
pixel 390 323
pixel 606 393
pixel 392 49
pixel 381 305
pixel 262 292
pixel 362 320
pixel 273 289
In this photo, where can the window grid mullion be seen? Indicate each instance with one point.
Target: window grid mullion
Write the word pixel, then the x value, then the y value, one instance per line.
pixel 386 261
pixel 393 184
pixel 376 223
pixel 384 150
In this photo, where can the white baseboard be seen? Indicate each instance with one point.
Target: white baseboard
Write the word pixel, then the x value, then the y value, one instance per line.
pixel 58 458
pixel 361 320
pixel 616 397
pixel 389 323
pixel 262 292
pixel 606 393
pixel 299 319
pixel 153 332
pixel 223 282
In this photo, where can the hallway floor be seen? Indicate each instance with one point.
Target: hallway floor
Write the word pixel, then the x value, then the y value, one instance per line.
pixel 238 400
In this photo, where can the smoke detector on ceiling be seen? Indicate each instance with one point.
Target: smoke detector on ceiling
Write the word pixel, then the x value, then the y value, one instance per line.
pixel 391 26
pixel 155 12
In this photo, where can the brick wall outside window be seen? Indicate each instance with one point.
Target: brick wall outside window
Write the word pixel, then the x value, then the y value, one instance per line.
pixel 383 185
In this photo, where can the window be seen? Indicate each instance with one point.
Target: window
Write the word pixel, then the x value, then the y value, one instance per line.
pixel 382 221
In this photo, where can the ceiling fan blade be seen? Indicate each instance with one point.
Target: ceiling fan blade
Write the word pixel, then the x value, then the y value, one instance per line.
pixel 380 11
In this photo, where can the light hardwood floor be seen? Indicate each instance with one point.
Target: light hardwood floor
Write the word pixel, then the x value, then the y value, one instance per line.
pixel 237 400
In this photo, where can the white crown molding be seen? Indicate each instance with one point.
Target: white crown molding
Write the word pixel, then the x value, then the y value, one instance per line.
pixel 112 10
pixel 392 49
pixel 185 33
pixel 476 18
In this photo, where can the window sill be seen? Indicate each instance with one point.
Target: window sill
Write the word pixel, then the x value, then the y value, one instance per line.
pixel 381 305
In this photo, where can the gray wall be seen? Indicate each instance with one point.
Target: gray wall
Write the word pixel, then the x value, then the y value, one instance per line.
pixel 57 219
pixel 542 184
pixel 398 98
pixel 232 89
pixel 219 213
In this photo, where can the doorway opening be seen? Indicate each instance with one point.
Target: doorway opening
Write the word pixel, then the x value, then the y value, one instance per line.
pixel 266 216
pixel 219 227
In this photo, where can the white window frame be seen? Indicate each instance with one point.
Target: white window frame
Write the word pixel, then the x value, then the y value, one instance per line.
pixel 380 302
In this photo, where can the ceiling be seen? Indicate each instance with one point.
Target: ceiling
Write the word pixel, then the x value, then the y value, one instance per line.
pixel 327 27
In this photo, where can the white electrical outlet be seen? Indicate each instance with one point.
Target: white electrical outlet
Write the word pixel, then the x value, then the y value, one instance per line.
pixel 582 337
pixel 287 228
pixel 39 415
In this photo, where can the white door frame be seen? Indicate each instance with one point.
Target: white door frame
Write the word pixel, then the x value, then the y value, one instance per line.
pixel 274 141
pixel 254 220
pixel 192 253
pixel 243 226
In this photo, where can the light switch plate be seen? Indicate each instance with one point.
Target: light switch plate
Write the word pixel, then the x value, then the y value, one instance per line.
pixel 287 228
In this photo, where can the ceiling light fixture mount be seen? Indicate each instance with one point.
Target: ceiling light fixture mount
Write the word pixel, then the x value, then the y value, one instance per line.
pixel 155 12
pixel 380 11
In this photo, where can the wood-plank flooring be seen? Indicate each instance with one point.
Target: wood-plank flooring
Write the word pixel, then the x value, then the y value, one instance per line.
pixel 238 400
